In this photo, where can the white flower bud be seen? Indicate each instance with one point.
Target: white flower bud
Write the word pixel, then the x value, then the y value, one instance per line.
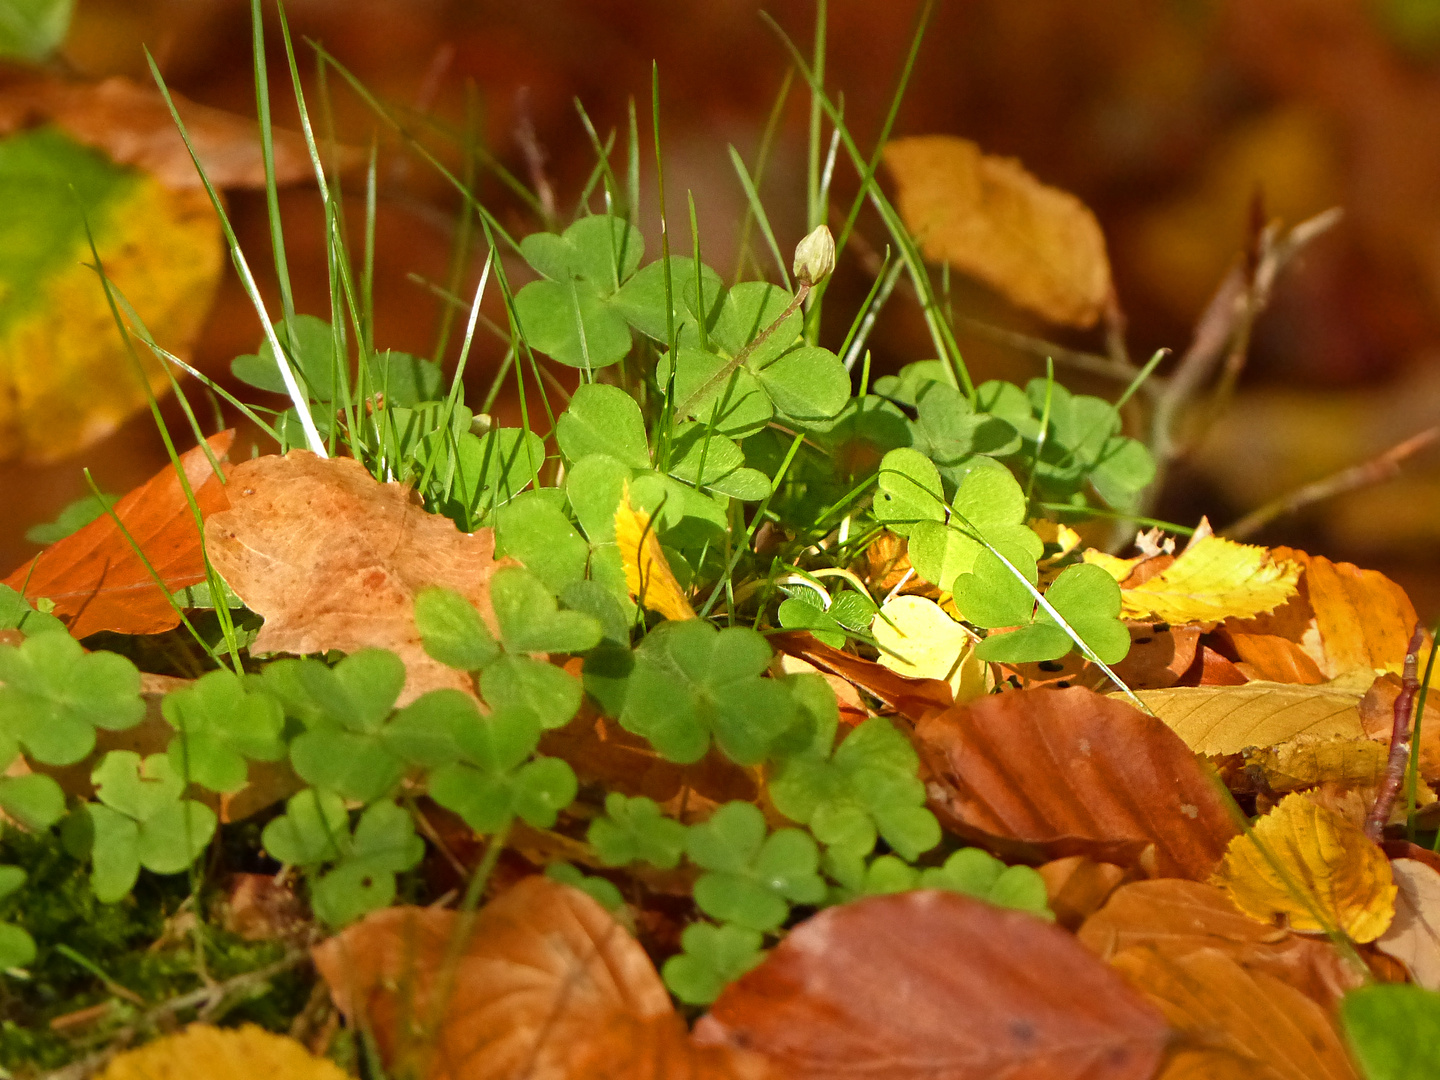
pixel 815 256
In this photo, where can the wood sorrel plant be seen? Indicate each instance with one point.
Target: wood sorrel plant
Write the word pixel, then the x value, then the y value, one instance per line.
pixel 760 461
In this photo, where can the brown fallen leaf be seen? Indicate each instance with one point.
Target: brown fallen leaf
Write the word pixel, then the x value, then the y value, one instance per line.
pixel 1224 1008
pixel 132 124
pixel 1272 658
pixel 1413 937
pixel 911 697
pixel 1069 772
pixel 547 986
pixel 1377 718
pixel 94 577
pixel 934 984
pixel 1176 918
pixel 1078 887
pixel 1040 247
pixel 332 558
pixel 1160 655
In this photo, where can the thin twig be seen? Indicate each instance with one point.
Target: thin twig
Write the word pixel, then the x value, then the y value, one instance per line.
pixel 1377 469
pixel 1399 740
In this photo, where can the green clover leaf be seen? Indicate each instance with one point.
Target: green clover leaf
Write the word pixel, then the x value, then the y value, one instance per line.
pixel 753 879
pixel 384 844
pixel 989 508
pixel 602 890
pixel 17 948
pixel 533 529
pixel 691 681
pixel 883 875
pixel 606 420
pixel 977 873
pixel 635 830
pixel 711 957
pixel 314 829
pixel 55 695
pixel 548 694
pixel 452 630
pixel 530 620
pixel 17 614
pixel 1086 597
pixel 222 721
pixel 1393 1030
pixel 493 468
pixel 34 800
pixel 867 786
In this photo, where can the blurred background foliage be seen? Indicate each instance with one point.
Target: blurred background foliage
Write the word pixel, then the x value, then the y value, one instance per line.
pixel 1170 119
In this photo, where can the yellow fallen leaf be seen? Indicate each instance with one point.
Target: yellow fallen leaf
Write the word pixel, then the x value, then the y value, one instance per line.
pixel 1310 760
pixel 919 640
pixel 1229 719
pixel 986 216
pixel 222 1054
pixel 647 574
pixel 1116 567
pixel 1337 878
pixel 1213 580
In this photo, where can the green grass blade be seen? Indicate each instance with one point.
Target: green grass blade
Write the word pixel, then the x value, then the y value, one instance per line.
pixel 757 211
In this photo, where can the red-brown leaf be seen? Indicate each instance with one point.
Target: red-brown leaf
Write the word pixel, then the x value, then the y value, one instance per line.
pixel 1069 772
pixel 941 986
pixel 906 695
pixel 94 576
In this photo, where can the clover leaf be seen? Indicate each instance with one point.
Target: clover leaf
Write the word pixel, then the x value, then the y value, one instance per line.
pixel 384 844
pixel 494 778
pixel 314 829
pixel 141 820
pixel 711 957
pixel 977 873
pixel 635 830
pixel 534 530
pixel 988 509
pixel 753 879
pixel 531 621
pixel 802 611
pixel 34 799
pixel 603 419
pixel 17 948
pixel 1087 598
pixel 452 631
pixel 222 721
pixel 691 681
pixel 602 890
pixel 493 468
pixel 883 875
pixel 55 695
pixel 17 614
pixel 310 349
pixel 866 787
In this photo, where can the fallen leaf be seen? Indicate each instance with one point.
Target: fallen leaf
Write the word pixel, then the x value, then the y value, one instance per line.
pixel 1413 937
pixel 910 697
pixel 1211 581
pixel 647 573
pixel 1177 918
pixel 935 984
pixel 1078 887
pixel 94 577
pixel 1070 772
pixel 1309 760
pixel 1228 719
pixel 1271 658
pixel 258 907
pixel 332 559
pixel 986 216
pixel 546 981
pixel 1116 567
pixel 1278 1031
pixel 1377 718
pixel 918 640
pixel 1364 619
pixel 241 1053
pixel 1160 655
pixel 1334 877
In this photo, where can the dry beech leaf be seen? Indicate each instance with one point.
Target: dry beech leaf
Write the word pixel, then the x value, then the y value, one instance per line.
pixel 547 986
pixel 132 125
pixel 1070 772
pixel 93 575
pixel 918 640
pixel 1363 618
pixel 1213 580
pixel 243 1053
pixel 1413 937
pixel 1177 918
pixel 1311 760
pixel 1229 719
pixel 933 984
pixel 1078 887
pixel 1271 658
pixel 332 559
pixel 1225 1009
pixel 647 573
pixel 910 697
pixel 987 217
pixel 1377 717
pixel 1342 879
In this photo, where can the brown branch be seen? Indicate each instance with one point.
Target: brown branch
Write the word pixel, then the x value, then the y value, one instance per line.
pixel 1377 469
pixel 1399 740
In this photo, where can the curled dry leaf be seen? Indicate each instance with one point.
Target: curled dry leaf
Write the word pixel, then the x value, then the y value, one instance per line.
pixel 332 558
pixel 94 576
pixel 986 216
pixel 935 984
pixel 1211 581
pixel 1078 887
pixel 222 1054
pixel 1069 772
pixel 1177 918
pixel 1233 1013
pixel 1333 876
pixel 1413 937
pixel 546 986
pixel 911 697
pixel 132 125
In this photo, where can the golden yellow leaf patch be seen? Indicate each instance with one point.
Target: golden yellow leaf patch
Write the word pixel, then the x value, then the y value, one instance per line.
pixel 1213 580
pixel 917 639
pixel 1229 719
pixel 1334 877
pixel 222 1054
pixel 647 573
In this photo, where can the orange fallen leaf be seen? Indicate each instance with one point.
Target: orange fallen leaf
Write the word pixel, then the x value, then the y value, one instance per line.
pixel 986 216
pixel 94 577
pixel 332 559
pixel 1070 772
pixel 933 984
pixel 1177 918
pixel 1279 1032
pixel 1078 887
pixel 1159 656
pixel 1333 877
pixel 222 1054
pixel 910 697
pixel 547 985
